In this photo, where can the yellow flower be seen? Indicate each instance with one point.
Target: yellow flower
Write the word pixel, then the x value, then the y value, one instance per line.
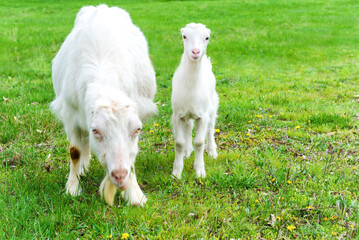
pixel 256 201
pixel 248 134
pixel 217 130
pixel 291 227
pixel 325 219
pixel 294 218
pixel 109 236
pixel 270 116
pixel 310 207
pixel 273 179
pixel 249 121
pixel 279 218
pixel 156 124
pixel 353 168
pixel 309 121
pixel 289 182
pixel 151 131
pixel 125 236
pixel 297 127
pixel 334 233
pixel 352 226
pixel 333 218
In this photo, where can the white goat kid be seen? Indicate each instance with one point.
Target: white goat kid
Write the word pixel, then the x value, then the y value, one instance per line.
pixel 194 97
pixel 104 84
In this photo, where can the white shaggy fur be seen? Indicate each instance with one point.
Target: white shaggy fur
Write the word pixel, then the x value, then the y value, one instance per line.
pixel 104 84
pixel 194 97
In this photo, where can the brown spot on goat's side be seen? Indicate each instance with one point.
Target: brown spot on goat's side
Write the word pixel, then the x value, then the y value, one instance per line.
pixel 75 154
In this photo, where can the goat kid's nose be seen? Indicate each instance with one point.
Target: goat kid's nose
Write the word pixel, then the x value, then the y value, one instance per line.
pixel 119 175
pixel 195 51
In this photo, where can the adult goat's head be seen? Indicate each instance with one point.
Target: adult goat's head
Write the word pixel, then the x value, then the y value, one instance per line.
pixel 115 127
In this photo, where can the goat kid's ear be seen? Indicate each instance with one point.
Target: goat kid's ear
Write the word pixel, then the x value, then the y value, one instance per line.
pixel 182 29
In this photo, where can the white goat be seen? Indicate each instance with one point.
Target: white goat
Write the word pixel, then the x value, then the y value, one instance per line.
pixel 104 84
pixel 194 97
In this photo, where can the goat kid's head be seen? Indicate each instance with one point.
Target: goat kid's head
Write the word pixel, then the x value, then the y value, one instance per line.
pixel 195 39
pixel 114 140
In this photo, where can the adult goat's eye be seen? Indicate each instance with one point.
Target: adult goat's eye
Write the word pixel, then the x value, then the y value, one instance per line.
pixel 184 37
pixel 97 134
pixel 138 130
pixel 207 38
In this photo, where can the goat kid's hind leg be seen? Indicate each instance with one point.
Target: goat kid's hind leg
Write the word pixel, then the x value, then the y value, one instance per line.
pixel 133 193
pixel 80 157
pixel 211 144
pixel 179 132
pixel 188 126
pixel 201 131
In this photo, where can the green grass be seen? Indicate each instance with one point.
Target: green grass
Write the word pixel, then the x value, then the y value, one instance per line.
pixel 286 74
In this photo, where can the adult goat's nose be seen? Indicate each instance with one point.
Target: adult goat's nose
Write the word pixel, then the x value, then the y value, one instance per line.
pixel 119 175
pixel 195 51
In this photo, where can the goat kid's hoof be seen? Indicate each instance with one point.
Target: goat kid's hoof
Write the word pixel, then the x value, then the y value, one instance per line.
pixel 201 173
pixel 212 153
pixel 176 174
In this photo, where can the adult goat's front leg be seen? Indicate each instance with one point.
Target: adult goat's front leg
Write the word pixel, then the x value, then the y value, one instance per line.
pixel 179 132
pixel 201 132
pixel 80 158
pixel 133 193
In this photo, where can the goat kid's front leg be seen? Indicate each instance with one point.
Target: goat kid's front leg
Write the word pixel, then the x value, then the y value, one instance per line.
pixel 211 144
pixel 199 141
pixel 188 126
pixel 179 132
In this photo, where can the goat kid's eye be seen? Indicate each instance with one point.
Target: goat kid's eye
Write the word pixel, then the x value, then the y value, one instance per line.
pixel 207 38
pixel 184 37
pixel 94 131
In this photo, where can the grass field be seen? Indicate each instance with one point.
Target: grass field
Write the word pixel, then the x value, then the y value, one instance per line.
pixel 287 72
